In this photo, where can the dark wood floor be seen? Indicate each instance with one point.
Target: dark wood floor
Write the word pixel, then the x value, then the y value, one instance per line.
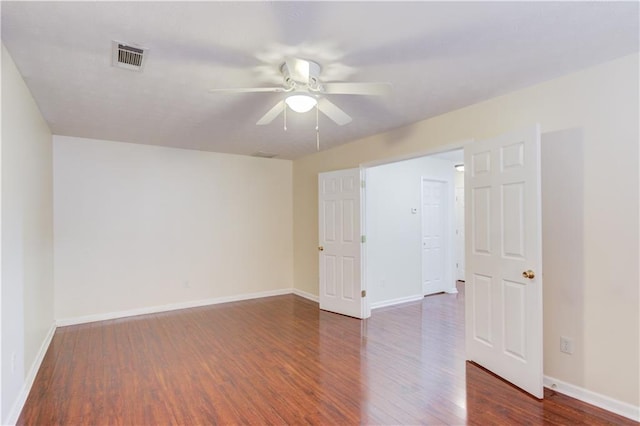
pixel 280 360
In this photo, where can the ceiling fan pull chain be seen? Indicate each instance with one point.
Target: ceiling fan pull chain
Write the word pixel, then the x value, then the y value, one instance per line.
pixel 317 129
pixel 285 117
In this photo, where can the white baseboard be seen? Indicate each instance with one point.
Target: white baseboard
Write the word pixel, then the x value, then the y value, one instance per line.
pixel 452 290
pixel 605 402
pixel 397 301
pixel 12 418
pixel 306 295
pixel 169 307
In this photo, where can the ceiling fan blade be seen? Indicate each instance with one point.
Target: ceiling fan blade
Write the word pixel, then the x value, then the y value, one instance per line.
pixel 379 89
pixel 298 69
pixel 333 112
pixel 271 114
pixel 249 90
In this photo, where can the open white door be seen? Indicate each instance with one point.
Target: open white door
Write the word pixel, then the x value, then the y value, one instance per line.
pixel 339 240
pixel 503 289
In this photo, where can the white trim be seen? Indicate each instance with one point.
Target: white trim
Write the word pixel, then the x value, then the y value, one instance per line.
pixel 392 302
pixel 12 418
pixel 602 401
pixel 169 307
pixel 453 146
pixel 306 295
pixel 452 290
pixel 365 309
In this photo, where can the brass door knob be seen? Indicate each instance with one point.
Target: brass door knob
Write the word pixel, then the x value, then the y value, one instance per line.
pixel 320 248
pixel 528 274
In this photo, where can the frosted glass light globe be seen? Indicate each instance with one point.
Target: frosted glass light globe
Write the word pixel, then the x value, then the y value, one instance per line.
pixel 301 103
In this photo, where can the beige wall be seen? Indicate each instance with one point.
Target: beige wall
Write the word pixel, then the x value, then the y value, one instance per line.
pixel 603 102
pixel 563 250
pixel 27 234
pixel 140 226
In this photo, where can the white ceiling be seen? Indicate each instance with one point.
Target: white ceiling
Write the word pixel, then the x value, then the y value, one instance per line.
pixel 438 56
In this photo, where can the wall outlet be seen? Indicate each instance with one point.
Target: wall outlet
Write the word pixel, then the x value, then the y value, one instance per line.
pixel 566 345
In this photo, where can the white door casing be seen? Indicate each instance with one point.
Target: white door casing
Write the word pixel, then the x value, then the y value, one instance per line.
pixel 339 219
pixel 503 240
pixel 435 238
pixel 459 237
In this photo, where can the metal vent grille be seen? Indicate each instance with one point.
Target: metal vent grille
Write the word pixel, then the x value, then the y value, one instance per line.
pixel 127 56
pixel 261 154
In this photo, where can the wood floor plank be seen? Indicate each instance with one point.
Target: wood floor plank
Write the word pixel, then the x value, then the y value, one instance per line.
pixel 280 360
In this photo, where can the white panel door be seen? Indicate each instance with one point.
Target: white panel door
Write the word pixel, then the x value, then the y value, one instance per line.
pixel 339 247
pixel 504 258
pixel 434 236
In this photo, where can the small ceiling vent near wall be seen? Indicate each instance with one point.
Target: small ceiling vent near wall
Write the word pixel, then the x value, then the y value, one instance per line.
pixel 127 56
pixel 262 154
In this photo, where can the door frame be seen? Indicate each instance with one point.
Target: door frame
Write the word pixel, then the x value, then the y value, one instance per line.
pixel 366 306
pixel 459 249
pixel 363 203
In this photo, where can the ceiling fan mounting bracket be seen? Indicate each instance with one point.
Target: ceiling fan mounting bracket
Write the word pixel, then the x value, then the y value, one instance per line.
pixel 289 76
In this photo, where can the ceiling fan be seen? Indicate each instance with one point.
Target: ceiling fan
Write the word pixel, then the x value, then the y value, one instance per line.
pixel 305 90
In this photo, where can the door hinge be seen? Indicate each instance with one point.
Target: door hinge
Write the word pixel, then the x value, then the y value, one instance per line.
pixel 363 293
pixel 363 239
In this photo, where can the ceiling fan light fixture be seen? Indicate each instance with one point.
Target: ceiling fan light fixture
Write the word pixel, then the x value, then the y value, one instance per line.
pixel 301 103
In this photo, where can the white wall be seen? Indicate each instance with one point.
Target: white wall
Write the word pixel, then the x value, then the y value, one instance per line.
pixel 604 102
pixel 140 226
pixel 394 234
pixel 27 235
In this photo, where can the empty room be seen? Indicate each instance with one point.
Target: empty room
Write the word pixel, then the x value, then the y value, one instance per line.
pixel 320 213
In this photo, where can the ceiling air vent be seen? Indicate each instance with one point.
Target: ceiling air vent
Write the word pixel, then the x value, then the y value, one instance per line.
pixel 127 56
pixel 261 154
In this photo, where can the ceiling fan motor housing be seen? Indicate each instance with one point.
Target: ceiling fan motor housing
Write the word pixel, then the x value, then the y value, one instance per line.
pixel 290 80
